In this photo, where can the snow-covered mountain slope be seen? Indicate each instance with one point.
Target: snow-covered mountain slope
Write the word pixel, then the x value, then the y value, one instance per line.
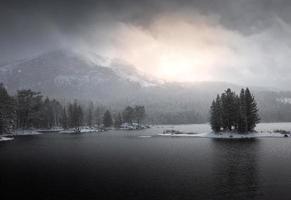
pixel 69 75
pixel 72 74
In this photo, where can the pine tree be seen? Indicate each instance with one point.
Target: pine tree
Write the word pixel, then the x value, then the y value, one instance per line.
pixel 118 121
pixel 70 115
pixel 229 109
pixel 7 111
pixel 139 113
pixel 90 114
pixel 107 119
pixel 28 108
pixel 98 114
pixel 75 115
pixel 57 109
pixel 251 111
pixel 215 115
pixel 128 114
pixel 64 119
pixel 47 111
pixel 79 116
pixel 242 120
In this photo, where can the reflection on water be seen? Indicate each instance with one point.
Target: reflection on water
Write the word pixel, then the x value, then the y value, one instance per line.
pixel 235 168
pixel 122 165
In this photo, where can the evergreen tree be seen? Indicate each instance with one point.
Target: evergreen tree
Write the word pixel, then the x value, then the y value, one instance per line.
pixel 47 112
pixel 64 119
pixel 139 113
pixel 57 112
pixel 229 109
pixel 251 111
pixel 215 115
pixel 118 121
pixel 7 111
pixel 90 114
pixel 242 121
pixel 107 119
pixel 79 116
pixel 28 108
pixel 128 114
pixel 75 115
pixel 98 114
pixel 70 115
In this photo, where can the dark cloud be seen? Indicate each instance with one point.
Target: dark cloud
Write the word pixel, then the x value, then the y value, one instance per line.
pixel 38 22
pixel 260 29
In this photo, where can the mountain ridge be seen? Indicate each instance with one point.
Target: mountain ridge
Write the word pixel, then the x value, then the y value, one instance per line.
pixel 70 75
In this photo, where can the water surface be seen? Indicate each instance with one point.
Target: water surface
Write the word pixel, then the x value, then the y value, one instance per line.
pixel 122 165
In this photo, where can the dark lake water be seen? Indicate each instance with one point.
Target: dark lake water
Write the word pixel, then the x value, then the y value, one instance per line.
pixel 122 165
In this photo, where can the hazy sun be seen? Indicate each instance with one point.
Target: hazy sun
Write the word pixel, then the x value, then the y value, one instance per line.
pixel 183 67
pixel 184 52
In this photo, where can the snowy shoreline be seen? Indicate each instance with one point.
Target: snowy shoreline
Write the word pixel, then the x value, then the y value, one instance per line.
pixel 21 133
pixel 2 138
pixel 227 135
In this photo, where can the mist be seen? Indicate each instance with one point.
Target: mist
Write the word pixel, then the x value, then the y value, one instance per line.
pixel 243 42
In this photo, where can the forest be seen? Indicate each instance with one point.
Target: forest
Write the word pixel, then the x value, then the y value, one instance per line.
pixel 29 109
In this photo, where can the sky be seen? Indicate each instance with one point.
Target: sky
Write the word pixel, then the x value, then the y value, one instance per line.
pixel 240 41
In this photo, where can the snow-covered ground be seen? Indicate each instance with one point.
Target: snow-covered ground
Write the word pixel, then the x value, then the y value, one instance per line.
pixel 228 135
pixel 2 139
pixel 82 130
pixel 88 130
pixel 25 132
pixel 20 132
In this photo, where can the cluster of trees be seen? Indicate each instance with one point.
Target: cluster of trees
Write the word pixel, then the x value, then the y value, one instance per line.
pixel 74 117
pixel 129 115
pixel 7 111
pixel 34 111
pixel 133 114
pixel 28 109
pixel 234 112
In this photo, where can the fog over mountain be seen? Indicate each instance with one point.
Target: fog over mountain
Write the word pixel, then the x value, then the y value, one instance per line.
pixel 172 56
pixel 245 42
pixel 66 75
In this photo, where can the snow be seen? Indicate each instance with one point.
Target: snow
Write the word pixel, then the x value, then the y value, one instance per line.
pixel 228 135
pixel 82 130
pixel 88 130
pixel 20 132
pixel 25 132
pixel 2 139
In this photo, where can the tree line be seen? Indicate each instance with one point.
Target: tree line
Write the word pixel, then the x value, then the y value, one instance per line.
pixel 232 112
pixel 29 109
pixel 129 115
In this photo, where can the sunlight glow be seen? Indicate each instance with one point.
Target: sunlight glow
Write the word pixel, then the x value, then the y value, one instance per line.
pixel 181 52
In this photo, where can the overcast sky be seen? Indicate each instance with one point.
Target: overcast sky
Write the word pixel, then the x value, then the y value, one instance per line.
pixel 239 41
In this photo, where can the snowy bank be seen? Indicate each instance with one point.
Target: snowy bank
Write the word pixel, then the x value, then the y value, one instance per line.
pixel 2 139
pixel 20 132
pixel 81 130
pixel 25 132
pixel 227 135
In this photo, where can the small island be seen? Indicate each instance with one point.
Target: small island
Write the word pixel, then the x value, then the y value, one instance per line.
pixel 230 112
pixel 232 116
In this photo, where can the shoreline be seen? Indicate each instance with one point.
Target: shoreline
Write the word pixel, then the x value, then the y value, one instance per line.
pixel 227 135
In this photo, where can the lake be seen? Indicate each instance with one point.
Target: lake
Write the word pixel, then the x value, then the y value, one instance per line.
pixel 123 165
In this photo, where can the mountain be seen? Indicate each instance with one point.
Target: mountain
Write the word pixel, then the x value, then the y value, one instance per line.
pixel 67 74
